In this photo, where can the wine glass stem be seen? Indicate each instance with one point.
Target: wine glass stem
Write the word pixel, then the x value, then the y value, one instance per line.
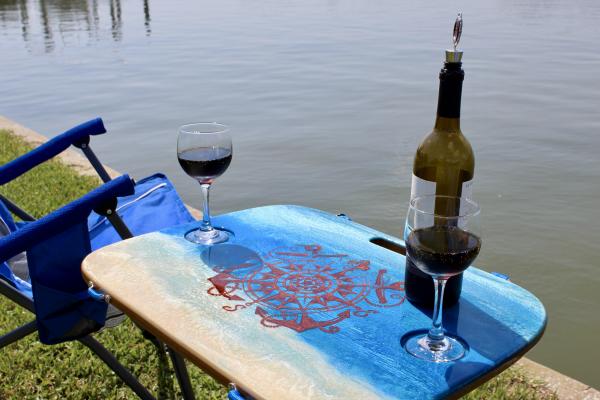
pixel 206 225
pixel 436 333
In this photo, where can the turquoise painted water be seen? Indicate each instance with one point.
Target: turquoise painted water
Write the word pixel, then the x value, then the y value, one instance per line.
pixel 328 100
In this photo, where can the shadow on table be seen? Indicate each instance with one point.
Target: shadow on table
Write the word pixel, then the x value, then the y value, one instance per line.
pixel 231 259
pixel 492 340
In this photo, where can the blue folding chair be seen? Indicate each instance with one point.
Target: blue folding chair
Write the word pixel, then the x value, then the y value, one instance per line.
pixel 153 206
pixel 46 279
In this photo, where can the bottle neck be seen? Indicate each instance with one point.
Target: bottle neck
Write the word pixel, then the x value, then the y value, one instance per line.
pixel 448 111
pixel 447 124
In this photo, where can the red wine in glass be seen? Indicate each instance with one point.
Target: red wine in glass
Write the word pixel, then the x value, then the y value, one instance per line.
pixel 442 250
pixel 205 163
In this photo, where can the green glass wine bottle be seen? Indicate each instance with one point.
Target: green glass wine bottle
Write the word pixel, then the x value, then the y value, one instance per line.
pixel 444 165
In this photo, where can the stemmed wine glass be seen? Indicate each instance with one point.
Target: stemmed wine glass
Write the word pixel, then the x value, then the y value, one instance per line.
pixel 204 151
pixel 442 239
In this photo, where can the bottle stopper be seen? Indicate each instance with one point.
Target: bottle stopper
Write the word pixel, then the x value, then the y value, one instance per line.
pixel 453 55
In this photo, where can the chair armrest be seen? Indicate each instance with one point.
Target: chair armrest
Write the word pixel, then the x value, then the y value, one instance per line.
pixel 51 148
pixel 64 217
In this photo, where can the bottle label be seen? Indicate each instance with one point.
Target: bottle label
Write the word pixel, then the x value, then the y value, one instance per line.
pixel 467 189
pixel 421 187
pixel 466 192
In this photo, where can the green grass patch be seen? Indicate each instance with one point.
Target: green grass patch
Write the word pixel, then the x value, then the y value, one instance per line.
pixel 512 384
pixel 30 370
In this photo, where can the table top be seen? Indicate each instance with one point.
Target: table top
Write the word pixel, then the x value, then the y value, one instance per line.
pixel 299 304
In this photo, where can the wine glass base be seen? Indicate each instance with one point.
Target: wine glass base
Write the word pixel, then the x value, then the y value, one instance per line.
pixel 450 349
pixel 213 236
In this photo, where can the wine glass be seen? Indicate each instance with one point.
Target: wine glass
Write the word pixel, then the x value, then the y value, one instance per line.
pixel 442 240
pixel 204 151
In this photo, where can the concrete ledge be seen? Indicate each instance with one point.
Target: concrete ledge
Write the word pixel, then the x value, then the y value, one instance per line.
pixel 565 387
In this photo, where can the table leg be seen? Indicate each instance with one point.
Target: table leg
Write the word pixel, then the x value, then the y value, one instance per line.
pixel 182 374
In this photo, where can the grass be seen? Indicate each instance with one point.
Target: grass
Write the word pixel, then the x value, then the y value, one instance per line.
pixel 512 384
pixel 30 370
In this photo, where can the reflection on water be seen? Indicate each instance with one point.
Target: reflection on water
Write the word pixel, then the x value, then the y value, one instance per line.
pixel 53 19
pixel 147 17
pixel 115 16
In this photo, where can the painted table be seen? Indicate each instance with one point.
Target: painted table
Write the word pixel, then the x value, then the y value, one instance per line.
pixel 300 304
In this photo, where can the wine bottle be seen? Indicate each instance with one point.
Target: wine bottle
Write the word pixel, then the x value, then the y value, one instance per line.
pixel 444 165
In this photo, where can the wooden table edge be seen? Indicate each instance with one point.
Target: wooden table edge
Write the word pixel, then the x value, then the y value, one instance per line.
pixel 205 366
pixel 222 378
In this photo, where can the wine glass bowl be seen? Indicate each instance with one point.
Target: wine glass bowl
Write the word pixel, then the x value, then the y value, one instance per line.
pixel 204 151
pixel 442 240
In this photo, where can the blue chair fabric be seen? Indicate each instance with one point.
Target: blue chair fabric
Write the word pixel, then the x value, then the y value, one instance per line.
pixel 56 245
pixel 155 205
pixel 7 268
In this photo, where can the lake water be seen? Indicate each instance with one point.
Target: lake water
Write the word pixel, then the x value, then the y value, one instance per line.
pixel 328 101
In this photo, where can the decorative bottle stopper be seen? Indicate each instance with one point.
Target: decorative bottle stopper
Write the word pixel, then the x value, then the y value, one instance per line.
pixel 453 55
